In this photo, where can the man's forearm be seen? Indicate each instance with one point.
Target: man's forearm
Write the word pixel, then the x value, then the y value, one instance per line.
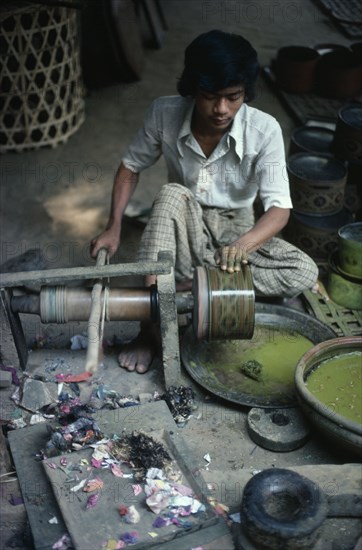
pixel 124 185
pixel 267 226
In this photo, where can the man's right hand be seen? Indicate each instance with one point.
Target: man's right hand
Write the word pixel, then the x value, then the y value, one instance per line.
pixel 109 239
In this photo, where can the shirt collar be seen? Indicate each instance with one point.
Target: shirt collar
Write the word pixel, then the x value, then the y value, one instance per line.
pixel 236 132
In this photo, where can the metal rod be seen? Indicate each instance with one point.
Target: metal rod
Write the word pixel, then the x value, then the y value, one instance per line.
pixel 26 303
pixel 61 304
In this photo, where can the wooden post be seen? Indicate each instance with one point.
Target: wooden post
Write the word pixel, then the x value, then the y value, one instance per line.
pixel 94 342
pixel 13 347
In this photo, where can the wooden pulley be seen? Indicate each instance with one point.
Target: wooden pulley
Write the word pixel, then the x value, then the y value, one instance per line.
pixel 224 304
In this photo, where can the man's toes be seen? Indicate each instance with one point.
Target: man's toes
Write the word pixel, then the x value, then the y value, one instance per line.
pixel 125 362
pixel 131 367
pixel 122 360
pixel 141 369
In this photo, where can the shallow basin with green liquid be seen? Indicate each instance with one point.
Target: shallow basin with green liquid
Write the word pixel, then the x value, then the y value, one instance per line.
pixel 328 381
pixel 259 371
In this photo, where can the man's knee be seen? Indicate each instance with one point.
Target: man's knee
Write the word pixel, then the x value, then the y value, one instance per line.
pixel 304 277
pixel 172 193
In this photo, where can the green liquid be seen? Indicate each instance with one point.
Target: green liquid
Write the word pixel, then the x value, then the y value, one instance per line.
pixel 337 382
pixel 277 350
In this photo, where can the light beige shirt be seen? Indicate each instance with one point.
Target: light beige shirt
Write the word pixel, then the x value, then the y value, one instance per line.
pixel 249 158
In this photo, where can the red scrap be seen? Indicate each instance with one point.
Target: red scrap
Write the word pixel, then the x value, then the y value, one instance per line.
pixel 123 510
pixel 73 377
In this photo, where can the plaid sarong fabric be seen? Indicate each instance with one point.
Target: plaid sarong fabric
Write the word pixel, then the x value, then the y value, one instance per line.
pixel 193 233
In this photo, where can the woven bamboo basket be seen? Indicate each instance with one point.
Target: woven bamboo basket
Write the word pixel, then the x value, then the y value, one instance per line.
pixel 41 87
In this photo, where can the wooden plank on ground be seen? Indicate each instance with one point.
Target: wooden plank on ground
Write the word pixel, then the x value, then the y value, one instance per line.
pixel 40 502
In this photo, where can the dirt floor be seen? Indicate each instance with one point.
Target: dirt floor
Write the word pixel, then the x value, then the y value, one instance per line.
pixel 55 200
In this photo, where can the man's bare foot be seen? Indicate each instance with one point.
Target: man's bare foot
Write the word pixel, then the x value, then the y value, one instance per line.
pixel 319 288
pixel 139 354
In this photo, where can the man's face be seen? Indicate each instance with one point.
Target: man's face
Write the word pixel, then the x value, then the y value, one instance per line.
pixel 215 111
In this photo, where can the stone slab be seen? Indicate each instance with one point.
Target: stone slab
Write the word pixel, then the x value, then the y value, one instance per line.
pixel 37 394
pixel 38 495
pixel 13 518
pixel 5 379
pixel 90 528
pixel 5 460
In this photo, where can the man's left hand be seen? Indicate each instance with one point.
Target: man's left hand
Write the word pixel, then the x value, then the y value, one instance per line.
pixel 231 257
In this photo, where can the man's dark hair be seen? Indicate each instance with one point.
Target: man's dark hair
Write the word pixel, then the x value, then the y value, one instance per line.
pixel 216 60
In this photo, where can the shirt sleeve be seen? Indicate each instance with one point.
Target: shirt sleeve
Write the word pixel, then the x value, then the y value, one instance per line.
pixel 271 169
pixel 146 147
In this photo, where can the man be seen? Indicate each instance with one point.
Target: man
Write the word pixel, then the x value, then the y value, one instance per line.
pixel 220 154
